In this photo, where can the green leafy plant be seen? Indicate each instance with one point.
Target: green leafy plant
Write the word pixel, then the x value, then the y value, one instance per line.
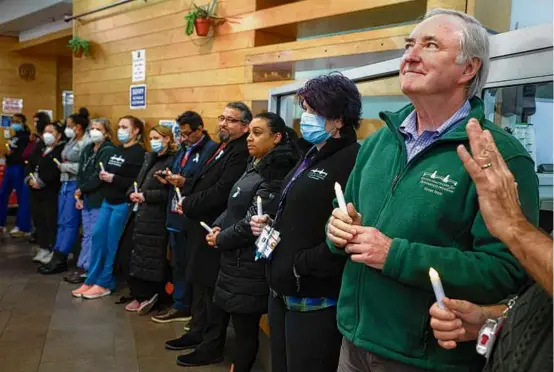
pixel 198 12
pixel 79 46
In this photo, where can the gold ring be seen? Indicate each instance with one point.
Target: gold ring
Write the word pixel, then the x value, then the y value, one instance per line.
pixel 485 166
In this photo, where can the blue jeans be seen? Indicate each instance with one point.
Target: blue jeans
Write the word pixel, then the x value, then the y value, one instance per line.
pixel 105 242
pixel 69 218
pixel 181 289
pixel 90 216
pixel 13 180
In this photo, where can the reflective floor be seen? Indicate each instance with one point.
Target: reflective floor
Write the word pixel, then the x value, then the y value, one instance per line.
pixel 44 329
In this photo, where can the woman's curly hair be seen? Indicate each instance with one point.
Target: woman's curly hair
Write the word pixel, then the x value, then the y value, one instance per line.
pixel 333 97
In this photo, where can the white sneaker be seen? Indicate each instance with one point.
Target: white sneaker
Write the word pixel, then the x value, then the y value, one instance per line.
pixel 15 230
pixel 47 258
pixel 41 255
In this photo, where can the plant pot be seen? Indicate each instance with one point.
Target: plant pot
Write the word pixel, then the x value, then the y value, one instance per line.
pixel 78 53
pixel 202 26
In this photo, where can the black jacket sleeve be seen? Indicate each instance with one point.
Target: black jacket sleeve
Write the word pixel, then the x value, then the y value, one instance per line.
pixel 240 234
pixel 91 182
pixel 319 261
pixel 211 199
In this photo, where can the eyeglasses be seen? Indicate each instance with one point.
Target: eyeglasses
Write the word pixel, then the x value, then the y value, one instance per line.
pixel 186 134
pixel 229 120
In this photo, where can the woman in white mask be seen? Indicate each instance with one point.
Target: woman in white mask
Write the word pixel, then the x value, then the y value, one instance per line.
pixel 117 175
pixel 143 247
pixel 88 196
pixel 43 178
pixel 69 217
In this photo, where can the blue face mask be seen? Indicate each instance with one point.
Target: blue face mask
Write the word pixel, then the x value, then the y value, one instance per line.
pixel 123 135
pixel 157 145
pixel 17 127
pixel 312 128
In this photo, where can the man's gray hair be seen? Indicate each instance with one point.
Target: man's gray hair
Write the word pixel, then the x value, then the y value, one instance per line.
pixel 474 43
pixel 245 113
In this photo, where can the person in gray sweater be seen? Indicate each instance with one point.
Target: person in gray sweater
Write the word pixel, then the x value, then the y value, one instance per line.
pixel 69 217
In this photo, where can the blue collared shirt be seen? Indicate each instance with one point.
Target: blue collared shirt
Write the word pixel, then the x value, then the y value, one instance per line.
pixel 416 143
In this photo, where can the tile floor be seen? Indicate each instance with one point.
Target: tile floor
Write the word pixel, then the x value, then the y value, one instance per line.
pixel 44 329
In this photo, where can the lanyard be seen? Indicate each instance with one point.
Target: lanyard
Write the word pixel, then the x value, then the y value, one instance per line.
pixel 303 166
pixel 221 147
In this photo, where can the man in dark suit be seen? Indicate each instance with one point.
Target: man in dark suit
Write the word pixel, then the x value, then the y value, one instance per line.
pixel 206 201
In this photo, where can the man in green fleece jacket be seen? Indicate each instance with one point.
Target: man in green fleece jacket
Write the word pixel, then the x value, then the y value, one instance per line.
pixel 413 206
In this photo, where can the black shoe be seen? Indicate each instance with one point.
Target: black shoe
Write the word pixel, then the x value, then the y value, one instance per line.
pixel 75 277
pixel 172 315
pixel 33 238
pixel 194 359
pixel 58 264
pixel 182 343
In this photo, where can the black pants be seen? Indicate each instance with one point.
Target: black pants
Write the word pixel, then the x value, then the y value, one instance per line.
pixel 247 329
pixel 208 324
pixel 45 215
pixel 142 290
pixel 126 245
pixel 303 341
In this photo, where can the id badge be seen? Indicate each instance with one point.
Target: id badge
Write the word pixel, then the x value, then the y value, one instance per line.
pixel 487 336
pixel 174 204
pixel 266 242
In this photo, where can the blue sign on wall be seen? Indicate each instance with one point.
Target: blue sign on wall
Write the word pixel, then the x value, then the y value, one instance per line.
pixel 6 121
pixel 137 96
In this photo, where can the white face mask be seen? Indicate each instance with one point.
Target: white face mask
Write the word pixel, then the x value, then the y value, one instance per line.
pixel 48 138
pixel 96 136
pixel 69 133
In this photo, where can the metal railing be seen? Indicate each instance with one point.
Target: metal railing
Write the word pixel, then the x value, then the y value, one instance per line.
pixel 69 18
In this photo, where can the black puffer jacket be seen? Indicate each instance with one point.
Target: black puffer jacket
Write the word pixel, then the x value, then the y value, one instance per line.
pixel 148 258
pixel 241 285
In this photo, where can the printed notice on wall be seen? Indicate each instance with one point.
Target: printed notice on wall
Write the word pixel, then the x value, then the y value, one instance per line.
pixel 171 124
pixel 137 97
pixel 139 65
pixel 12 105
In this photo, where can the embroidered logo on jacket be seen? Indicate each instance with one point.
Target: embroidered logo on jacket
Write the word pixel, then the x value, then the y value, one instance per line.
pixel 317 174
pixel 437 184
pixel 116 161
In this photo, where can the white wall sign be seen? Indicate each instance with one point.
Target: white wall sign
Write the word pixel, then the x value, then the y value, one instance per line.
pixel 139 65
pixel 12 105
pixel 137 97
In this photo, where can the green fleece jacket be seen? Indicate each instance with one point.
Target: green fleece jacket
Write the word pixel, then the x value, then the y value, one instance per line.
pixel 429 208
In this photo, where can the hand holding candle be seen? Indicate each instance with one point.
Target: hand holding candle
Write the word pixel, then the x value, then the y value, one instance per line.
pixel 33 177
pixel 437 286
pixel 259 204
pixel 340 198
pixel 101 166
pixel 206 227
pixel 178 192
pixel 136 207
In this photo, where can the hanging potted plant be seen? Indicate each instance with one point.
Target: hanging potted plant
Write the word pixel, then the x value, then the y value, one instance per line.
pixel 201 18
pixel 79 46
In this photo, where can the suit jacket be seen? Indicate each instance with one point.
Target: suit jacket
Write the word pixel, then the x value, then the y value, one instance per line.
pixel 206 201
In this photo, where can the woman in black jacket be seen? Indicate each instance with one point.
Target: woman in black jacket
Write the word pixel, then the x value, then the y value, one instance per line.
pixel 145 238
pixel 43 178
pixel 241 288
pixel 304 276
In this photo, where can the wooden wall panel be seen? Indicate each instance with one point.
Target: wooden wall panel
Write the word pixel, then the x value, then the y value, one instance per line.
pixel 234 63
pixel 37 94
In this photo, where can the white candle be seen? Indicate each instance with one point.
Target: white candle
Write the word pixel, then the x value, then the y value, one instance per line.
pixel 136 186
pixel 136 206
pixel 340 197
pixel 33 177
pixel 260 209
pixel 57 161
pixel 437 286
pixel 8 147
pixel 206 227
pixel 101 166
pixel 178 192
